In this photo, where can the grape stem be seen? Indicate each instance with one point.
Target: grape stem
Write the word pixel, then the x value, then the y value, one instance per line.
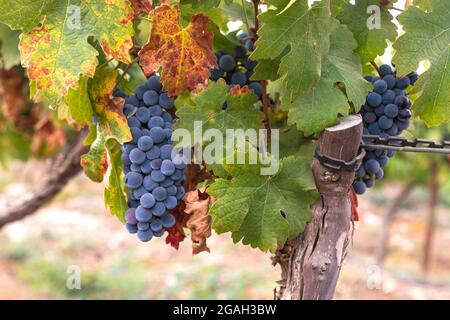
pixel 373 63
pixel 392 8
pixel 122 76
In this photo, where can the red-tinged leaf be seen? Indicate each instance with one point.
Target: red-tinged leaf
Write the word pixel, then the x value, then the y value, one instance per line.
pixel 54 44
pixel 198 219
pixel 95 162
pixel 236 90
pixel 109 110
pixel 184 54
pixel 141 6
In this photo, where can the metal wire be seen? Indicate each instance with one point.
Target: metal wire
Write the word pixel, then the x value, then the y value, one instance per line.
pixel 404 145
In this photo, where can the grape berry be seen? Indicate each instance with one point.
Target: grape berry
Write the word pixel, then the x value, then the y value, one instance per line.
pixel 236 69
pixel 385 113
pixel 154 173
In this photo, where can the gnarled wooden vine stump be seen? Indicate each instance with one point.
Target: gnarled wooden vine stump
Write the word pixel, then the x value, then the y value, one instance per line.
pixel 316 256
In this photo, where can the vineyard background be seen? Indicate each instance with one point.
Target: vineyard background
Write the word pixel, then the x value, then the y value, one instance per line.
pixel 76 230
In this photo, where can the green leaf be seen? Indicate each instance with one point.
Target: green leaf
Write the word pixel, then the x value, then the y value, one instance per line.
pixel 79 104
pixel 263 211
pixel 371 43
pixel 95 162
pixel 305 32
pixel 9 47
pixel 109 110
pixel 54 46
pixel 427 37
pixel 115 197
pixel 206 107
pixel 319 108
pixel 433 103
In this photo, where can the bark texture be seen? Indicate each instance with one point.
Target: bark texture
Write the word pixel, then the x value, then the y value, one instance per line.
pixel 315 258
pixel 61 169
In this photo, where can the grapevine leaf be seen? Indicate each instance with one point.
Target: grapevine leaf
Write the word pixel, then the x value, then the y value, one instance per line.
pixel 305 32
pixel 55 32
pixel 108 109
pixel 427 37
pixel 206 107
pixel 184 54
pixel 320 106
pixel 371 42
pixel 9 47
pixel 115 199
pixel 95 162
pixel 202 4
pixel 141 6
pixel 79 104
pixel 263 211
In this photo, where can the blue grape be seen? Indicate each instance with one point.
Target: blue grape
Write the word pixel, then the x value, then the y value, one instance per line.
pixel 133 180
pixel 153 83
pixel 388 97
pixel 157 134
pixel 372 166
pixel 159 233
pixel 403 83
pixel 369 183
pixel 392 131
pixel 148 200
pixel 370 117
pixel 151 97
pixel 374 128
pixel 139 192
pixel 385 123
pixel 165 101
pixel 250 64
pixel 256 87
pixel 170 202
pixel 373 99
pixel 385 70
pixel 145 143
pixel 380 174
pixel 153 153
pixel 380 86
pixel 227 62
pixel 157 176
pixel 142 226
pixel 155 121
pixel 140 90
pixel 167 167
pixel 240 52
pixel 167 182
pixel 180 193
pixel 400 101
pixel 216 74
pixel 137 156
pixel 159 209
pixel 391 110
pixel 143 214
pixel 249 45
pixel 155 110
pixel 168 220
pixel 383 161
pixel 390 81
pixel 132 228
pixel 145 236
pixel 171 190
pixel 130 216
pixel 405 113
pixel 125 158
pixel 359 187
pixel 159 193
pixel 134 122
pixel 143 114
pixel 156 225
pixel 149 184
pixel 379 111
pixel 238 78
pixel 132 100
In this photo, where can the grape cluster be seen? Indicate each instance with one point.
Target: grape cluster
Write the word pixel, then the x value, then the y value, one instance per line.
pixel 387 112
pixel 237 68
pixel 154 172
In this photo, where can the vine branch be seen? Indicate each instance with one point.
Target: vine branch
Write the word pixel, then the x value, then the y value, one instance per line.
pixel 373 63
pixel 61 169
pixel 125 72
